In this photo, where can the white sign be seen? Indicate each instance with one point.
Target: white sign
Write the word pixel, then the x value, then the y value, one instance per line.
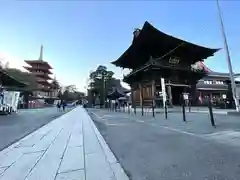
pixel 163 91
pixel 224 96
pixel 185 96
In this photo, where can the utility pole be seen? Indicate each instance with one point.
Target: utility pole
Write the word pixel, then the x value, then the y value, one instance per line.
pixel 103 88
pixel 233 84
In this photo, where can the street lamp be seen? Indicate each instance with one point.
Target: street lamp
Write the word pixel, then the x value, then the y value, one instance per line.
pixel 233 85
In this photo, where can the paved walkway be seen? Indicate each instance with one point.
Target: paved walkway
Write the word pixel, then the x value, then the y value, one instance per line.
pixel 68 148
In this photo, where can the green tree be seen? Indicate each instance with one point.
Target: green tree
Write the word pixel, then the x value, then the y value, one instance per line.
pixel 99 83
pixel 70 93
pixel 71 88
pixel 55 84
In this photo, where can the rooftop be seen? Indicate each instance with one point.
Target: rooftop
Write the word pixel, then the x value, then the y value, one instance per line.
pixel 39 61
pixel 214 73
pixel 44 67
pixel 8 80
pixel 150 42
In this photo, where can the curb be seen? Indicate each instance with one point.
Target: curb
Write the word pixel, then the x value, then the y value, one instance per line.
pixel 110 157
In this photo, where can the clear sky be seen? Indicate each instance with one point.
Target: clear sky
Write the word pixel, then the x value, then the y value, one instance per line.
pixel 79 35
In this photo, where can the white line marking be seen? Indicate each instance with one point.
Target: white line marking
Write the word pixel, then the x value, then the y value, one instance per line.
pixel 99 117
pixel 177 130
pixel 172 129
pixel 109 124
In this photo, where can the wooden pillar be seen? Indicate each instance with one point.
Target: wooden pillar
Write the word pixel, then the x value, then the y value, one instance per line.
pixel 193 93
pixel 133 100
pixel 109 104
pixel 153 97
pixel 141 97
pixel 169 88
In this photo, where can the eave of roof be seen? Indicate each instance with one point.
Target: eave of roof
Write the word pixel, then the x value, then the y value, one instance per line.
pixel 161 71
pixel 8 80
pixel 150 41
pixel 32 69
pixel 212 89
pixel 45 63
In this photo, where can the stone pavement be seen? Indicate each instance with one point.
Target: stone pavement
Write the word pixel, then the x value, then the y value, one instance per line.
pixel 68 148
pixel 196 123
pixel 158 149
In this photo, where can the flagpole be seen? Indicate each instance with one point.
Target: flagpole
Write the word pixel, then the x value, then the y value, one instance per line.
pixel 233 85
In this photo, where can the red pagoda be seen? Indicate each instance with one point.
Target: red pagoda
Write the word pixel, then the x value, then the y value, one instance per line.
pixel 41 69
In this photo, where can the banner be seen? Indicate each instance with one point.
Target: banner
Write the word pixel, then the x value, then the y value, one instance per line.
pixel 164 95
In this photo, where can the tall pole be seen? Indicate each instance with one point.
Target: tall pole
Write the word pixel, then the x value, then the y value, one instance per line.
pixel 233 85
pixel 103 93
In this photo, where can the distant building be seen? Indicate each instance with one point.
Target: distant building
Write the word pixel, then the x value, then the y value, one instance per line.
pixel 41 69
pixel 93 97
pixel 217 85
pixel 8 82
pixel 116 84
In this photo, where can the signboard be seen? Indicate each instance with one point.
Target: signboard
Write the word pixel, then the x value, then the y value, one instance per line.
pixel 185 96
pixel 164 95
pixel 174 60
pixel 224 96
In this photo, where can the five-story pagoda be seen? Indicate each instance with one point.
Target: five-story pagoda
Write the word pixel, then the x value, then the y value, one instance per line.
pixel 41 69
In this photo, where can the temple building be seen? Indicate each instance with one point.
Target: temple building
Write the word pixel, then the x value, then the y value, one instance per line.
pixel 117 91
pixel 163 67
pixel 217 85
pixel 113 87
pixel 41 69
pixel 9 82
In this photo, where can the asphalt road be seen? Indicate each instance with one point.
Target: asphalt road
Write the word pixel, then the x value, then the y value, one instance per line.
pixel 16 126
pixel 162 150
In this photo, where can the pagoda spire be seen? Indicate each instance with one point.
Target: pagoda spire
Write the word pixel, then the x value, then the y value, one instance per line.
pixel 41 53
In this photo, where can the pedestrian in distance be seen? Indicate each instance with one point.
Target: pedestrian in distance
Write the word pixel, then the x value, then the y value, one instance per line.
pixel 64 105
pixel 58 107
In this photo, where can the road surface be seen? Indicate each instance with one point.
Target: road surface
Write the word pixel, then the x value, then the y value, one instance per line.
pixel 158 149
pixel 14 127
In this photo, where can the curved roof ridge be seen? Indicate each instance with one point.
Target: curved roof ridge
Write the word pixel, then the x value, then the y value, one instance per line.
pixel 176 38
pixel 150 39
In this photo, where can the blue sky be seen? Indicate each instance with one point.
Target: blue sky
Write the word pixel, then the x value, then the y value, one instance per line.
pixel 79 35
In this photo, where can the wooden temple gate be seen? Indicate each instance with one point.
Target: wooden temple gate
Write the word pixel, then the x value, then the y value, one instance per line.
pixel 154 56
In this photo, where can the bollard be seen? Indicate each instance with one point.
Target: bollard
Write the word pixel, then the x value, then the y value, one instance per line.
pixel 211 112
pixel 189 106
pixel 183 111
pixel 153 112
pixel 165 110
pixel 142 111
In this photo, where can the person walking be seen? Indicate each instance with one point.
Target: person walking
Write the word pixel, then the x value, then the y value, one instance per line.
pixel 58 107
pixel 64 105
